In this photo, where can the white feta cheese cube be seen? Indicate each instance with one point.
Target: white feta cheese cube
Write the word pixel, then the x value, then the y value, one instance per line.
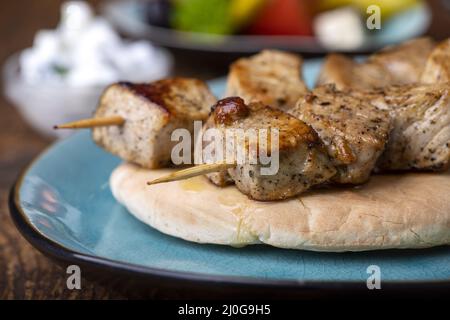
pixel 340 29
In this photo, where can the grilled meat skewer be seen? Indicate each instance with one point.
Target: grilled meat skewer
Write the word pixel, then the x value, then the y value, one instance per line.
pixel 351 135
pixel 149 112
pixel 303 160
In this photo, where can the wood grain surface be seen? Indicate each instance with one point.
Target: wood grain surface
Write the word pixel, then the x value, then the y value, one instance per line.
pixel 24 272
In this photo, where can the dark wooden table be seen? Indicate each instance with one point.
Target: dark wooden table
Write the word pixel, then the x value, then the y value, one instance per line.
pixel 24 272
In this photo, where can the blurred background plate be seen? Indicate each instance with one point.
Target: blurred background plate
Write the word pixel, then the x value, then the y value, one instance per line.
pixel 129 17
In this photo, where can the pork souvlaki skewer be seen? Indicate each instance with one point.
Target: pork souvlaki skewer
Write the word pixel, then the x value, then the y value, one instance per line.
pixel 302 160
pixel 342 121
pixel 419 139
pixel 420 110
pixel 344 149
pixel 353 131
pixel 135 121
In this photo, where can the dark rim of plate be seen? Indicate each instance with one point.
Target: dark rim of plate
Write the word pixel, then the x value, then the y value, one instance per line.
pixel 56 251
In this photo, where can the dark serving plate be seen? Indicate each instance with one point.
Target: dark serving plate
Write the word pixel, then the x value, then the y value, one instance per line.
pixel 63 206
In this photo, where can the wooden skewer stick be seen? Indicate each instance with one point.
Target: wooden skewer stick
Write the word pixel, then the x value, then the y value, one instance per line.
pixel 92 122
pixel 192 172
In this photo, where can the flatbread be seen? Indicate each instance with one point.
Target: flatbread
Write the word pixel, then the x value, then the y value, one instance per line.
pixel 391 211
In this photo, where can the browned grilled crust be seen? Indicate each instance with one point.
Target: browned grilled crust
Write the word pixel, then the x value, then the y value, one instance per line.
pixel 172 94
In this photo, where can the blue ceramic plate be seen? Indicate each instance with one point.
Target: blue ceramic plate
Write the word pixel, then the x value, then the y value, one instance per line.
pixel 63 205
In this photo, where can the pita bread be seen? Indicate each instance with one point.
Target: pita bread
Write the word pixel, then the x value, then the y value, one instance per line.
pixel 391 211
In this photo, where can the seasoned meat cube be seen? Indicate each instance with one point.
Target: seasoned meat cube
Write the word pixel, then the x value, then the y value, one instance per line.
pixel 394 65
pixel 271 77
pixel 404 62
pixel 346 73
pixel 303 161
pixel 152 111
pixel 354 131
pixel 421 131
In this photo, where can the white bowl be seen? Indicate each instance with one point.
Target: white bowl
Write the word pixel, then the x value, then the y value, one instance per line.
pixel 45 105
